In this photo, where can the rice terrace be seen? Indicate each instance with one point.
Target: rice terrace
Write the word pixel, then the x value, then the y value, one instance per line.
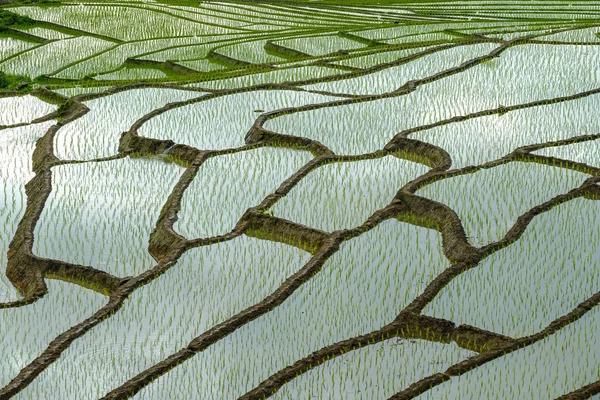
pixel 300 199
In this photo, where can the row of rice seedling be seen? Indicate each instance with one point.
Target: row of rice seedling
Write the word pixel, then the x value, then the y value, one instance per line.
pixel 77 90
pixel 479 140
pixel 542 16
pixel 12 200
pixel 361 13
pixel 133 74
pixel 343 195
pixel 115 57
pixel 363 127
pixel 512 30
pixel 202 65
pixel 270 27
pixel 207 286
pixel 389 10
pixel 102 214
pixel 46 33
pixel 588 35
pixel 415 29
pixel 391 79
pixel 377 371
pixel 260 13
pixel 226 186
pixel 389 32
pixel 373 59
pixel 531 11
pixel 520 34
pixel 252 52
pixel 585 152
pixel 16 150
pixel 489 201
pixel 507 80
pixel 520 289
pixel 277 76
pixel 222 122
pixel 362 287
pixel 245 12
pixel 557 365
pixel 515 77
pixel 120 22
pixel 54 56
pixel 107 224
pixel 97 133
pixel 350 129
pixel 197 15
pixel 23 109
pixel 192 48
pixel 235 20
pixel 10 47
pixel 503 6
pixel 190 52
pixel 332 17
pixel 429 37
pixel 499 12
pixel 27 331
pixel 320 45
pixel 204 15
pixel 507 27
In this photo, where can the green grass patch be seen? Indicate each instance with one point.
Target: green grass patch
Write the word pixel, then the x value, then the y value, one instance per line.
pixel 12 81
pixel 10 19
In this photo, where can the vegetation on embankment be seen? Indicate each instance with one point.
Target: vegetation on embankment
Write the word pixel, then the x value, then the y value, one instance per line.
pixel 11 82
pixel 8 19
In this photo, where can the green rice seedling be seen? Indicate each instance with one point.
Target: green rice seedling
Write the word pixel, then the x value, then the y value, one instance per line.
pixel 77 90
pixel 102 214
pixel 563 362
pixel 489 202
pixel 320 45
pixel 376 371
pixel 373 59
pixel 222 122
pixel 16 150
pixel 252 52
pixel 391 79
pixel 349 293
pixel 10 47
pixel 488 138
pixel 343 195
pixel 520 289
pixel 362 127
pixel 584 152
pixel 46 33
pixel 54 56
pixel 226 186
pixel 93 215
pixel 17 110
pixel 201 65
pixel 114 58
pixel 27 331
pixel 120 21
pixel 278 76
pixel 97 133
pixel 208 285
pixel 127 74
pixel 424 28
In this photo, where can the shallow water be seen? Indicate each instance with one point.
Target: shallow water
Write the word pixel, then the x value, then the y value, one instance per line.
pixel 227 315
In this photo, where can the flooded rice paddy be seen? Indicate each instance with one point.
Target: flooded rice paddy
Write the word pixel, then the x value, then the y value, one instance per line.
pixel 300 200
